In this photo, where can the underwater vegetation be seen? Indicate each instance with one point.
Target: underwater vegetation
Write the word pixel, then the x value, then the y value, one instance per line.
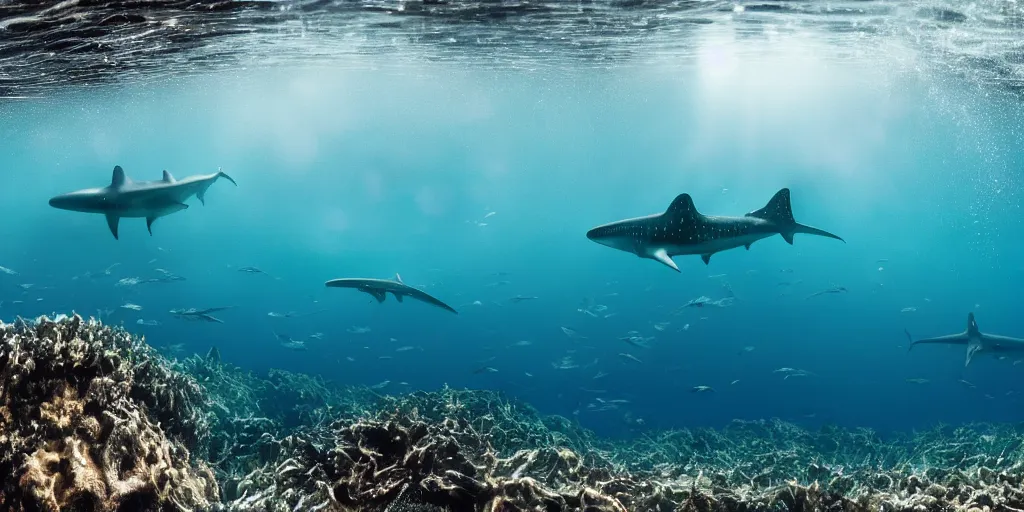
pixel 92 418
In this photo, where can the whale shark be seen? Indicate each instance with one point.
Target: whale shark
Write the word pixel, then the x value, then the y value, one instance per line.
pixel 138 199
pixel 379 288
pixel 681 229
pixel 975 341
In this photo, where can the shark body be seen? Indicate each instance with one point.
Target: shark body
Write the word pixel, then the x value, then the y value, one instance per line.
pixel 681 230
pixel 976 341
pixel 138 199
pixel 379 288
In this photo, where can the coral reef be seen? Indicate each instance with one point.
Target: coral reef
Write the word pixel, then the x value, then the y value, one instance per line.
pixel 92 419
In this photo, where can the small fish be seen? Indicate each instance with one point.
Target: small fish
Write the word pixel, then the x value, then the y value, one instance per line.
pixel 384 358
pixel 485 369
pixel 631 357
pixel 908 310
pixel 733 383
pixel 317 336
pixel 522 343
pixel 133 307
pixel 251 270
pixel 918 381
pixel 834 289
pixel 148 323
pixel 358 330
pixel 5 270
pixel 381 385
pixel 573 335
pixel 405 348
pixel 296 345
pixel 521 298
pixel 600 375
pixel 968 384
pixel 702 389
pixel 528 374
pixel 490 214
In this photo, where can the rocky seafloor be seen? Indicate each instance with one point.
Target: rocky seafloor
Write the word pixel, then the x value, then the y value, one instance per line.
pixel 93 419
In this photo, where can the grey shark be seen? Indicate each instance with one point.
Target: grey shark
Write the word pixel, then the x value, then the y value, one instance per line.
pixel 138 199
pixel 379 288
pixel 683 230
pixel 975 341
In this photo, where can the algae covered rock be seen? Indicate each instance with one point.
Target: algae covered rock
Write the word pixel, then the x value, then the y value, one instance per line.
pixel 91 419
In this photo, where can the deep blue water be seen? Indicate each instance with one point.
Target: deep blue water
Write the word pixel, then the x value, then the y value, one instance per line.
pixel 361 172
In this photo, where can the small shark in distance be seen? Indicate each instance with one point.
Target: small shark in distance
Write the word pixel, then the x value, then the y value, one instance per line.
pixel 379 288
pixel 975 341
pixel 683 230
pixel 138 199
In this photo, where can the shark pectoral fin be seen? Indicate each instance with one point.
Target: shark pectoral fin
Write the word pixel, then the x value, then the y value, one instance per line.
pixel 706 258
pixel 380 295
pixel 201 195
pixel 662 256
pixel 747 246
pixel 112 221
pixel 787 236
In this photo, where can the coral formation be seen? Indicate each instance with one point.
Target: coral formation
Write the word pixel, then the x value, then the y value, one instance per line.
pixel 92 419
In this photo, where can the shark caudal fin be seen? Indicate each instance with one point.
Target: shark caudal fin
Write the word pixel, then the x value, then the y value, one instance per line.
pixel 201 193
pixel 221 174
pixel 779 211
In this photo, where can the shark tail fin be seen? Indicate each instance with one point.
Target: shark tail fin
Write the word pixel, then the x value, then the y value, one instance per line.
pixel 779 211
pixel 221 174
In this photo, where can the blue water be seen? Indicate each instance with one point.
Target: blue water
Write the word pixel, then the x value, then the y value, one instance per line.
pixel 368 171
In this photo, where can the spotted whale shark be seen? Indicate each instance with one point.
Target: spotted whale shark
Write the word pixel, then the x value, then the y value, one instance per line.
pixel 146 199
pixel 975 341
pixel 681 229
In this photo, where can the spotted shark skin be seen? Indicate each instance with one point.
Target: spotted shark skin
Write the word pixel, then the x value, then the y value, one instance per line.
pixel 975 341
pixel 682 230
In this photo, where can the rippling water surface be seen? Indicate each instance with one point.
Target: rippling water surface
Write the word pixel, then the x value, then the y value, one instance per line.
pixel 47 45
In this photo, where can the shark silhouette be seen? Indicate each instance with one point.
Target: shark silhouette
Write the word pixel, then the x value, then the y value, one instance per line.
pixel 138 199
pixel 379 288
pixel 684 230
pixel 975 341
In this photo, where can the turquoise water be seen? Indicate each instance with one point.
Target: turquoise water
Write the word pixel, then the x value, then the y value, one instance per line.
pixel 479 183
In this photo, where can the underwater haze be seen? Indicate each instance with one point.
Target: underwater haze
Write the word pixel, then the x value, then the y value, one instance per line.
pixel 475 171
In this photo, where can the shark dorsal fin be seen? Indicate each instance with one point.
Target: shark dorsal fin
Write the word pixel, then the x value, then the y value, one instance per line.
pixel 399 278
pixel 972 326
pixel 119 178
pixel 682 208
pixel 168 178
pixel 779 209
